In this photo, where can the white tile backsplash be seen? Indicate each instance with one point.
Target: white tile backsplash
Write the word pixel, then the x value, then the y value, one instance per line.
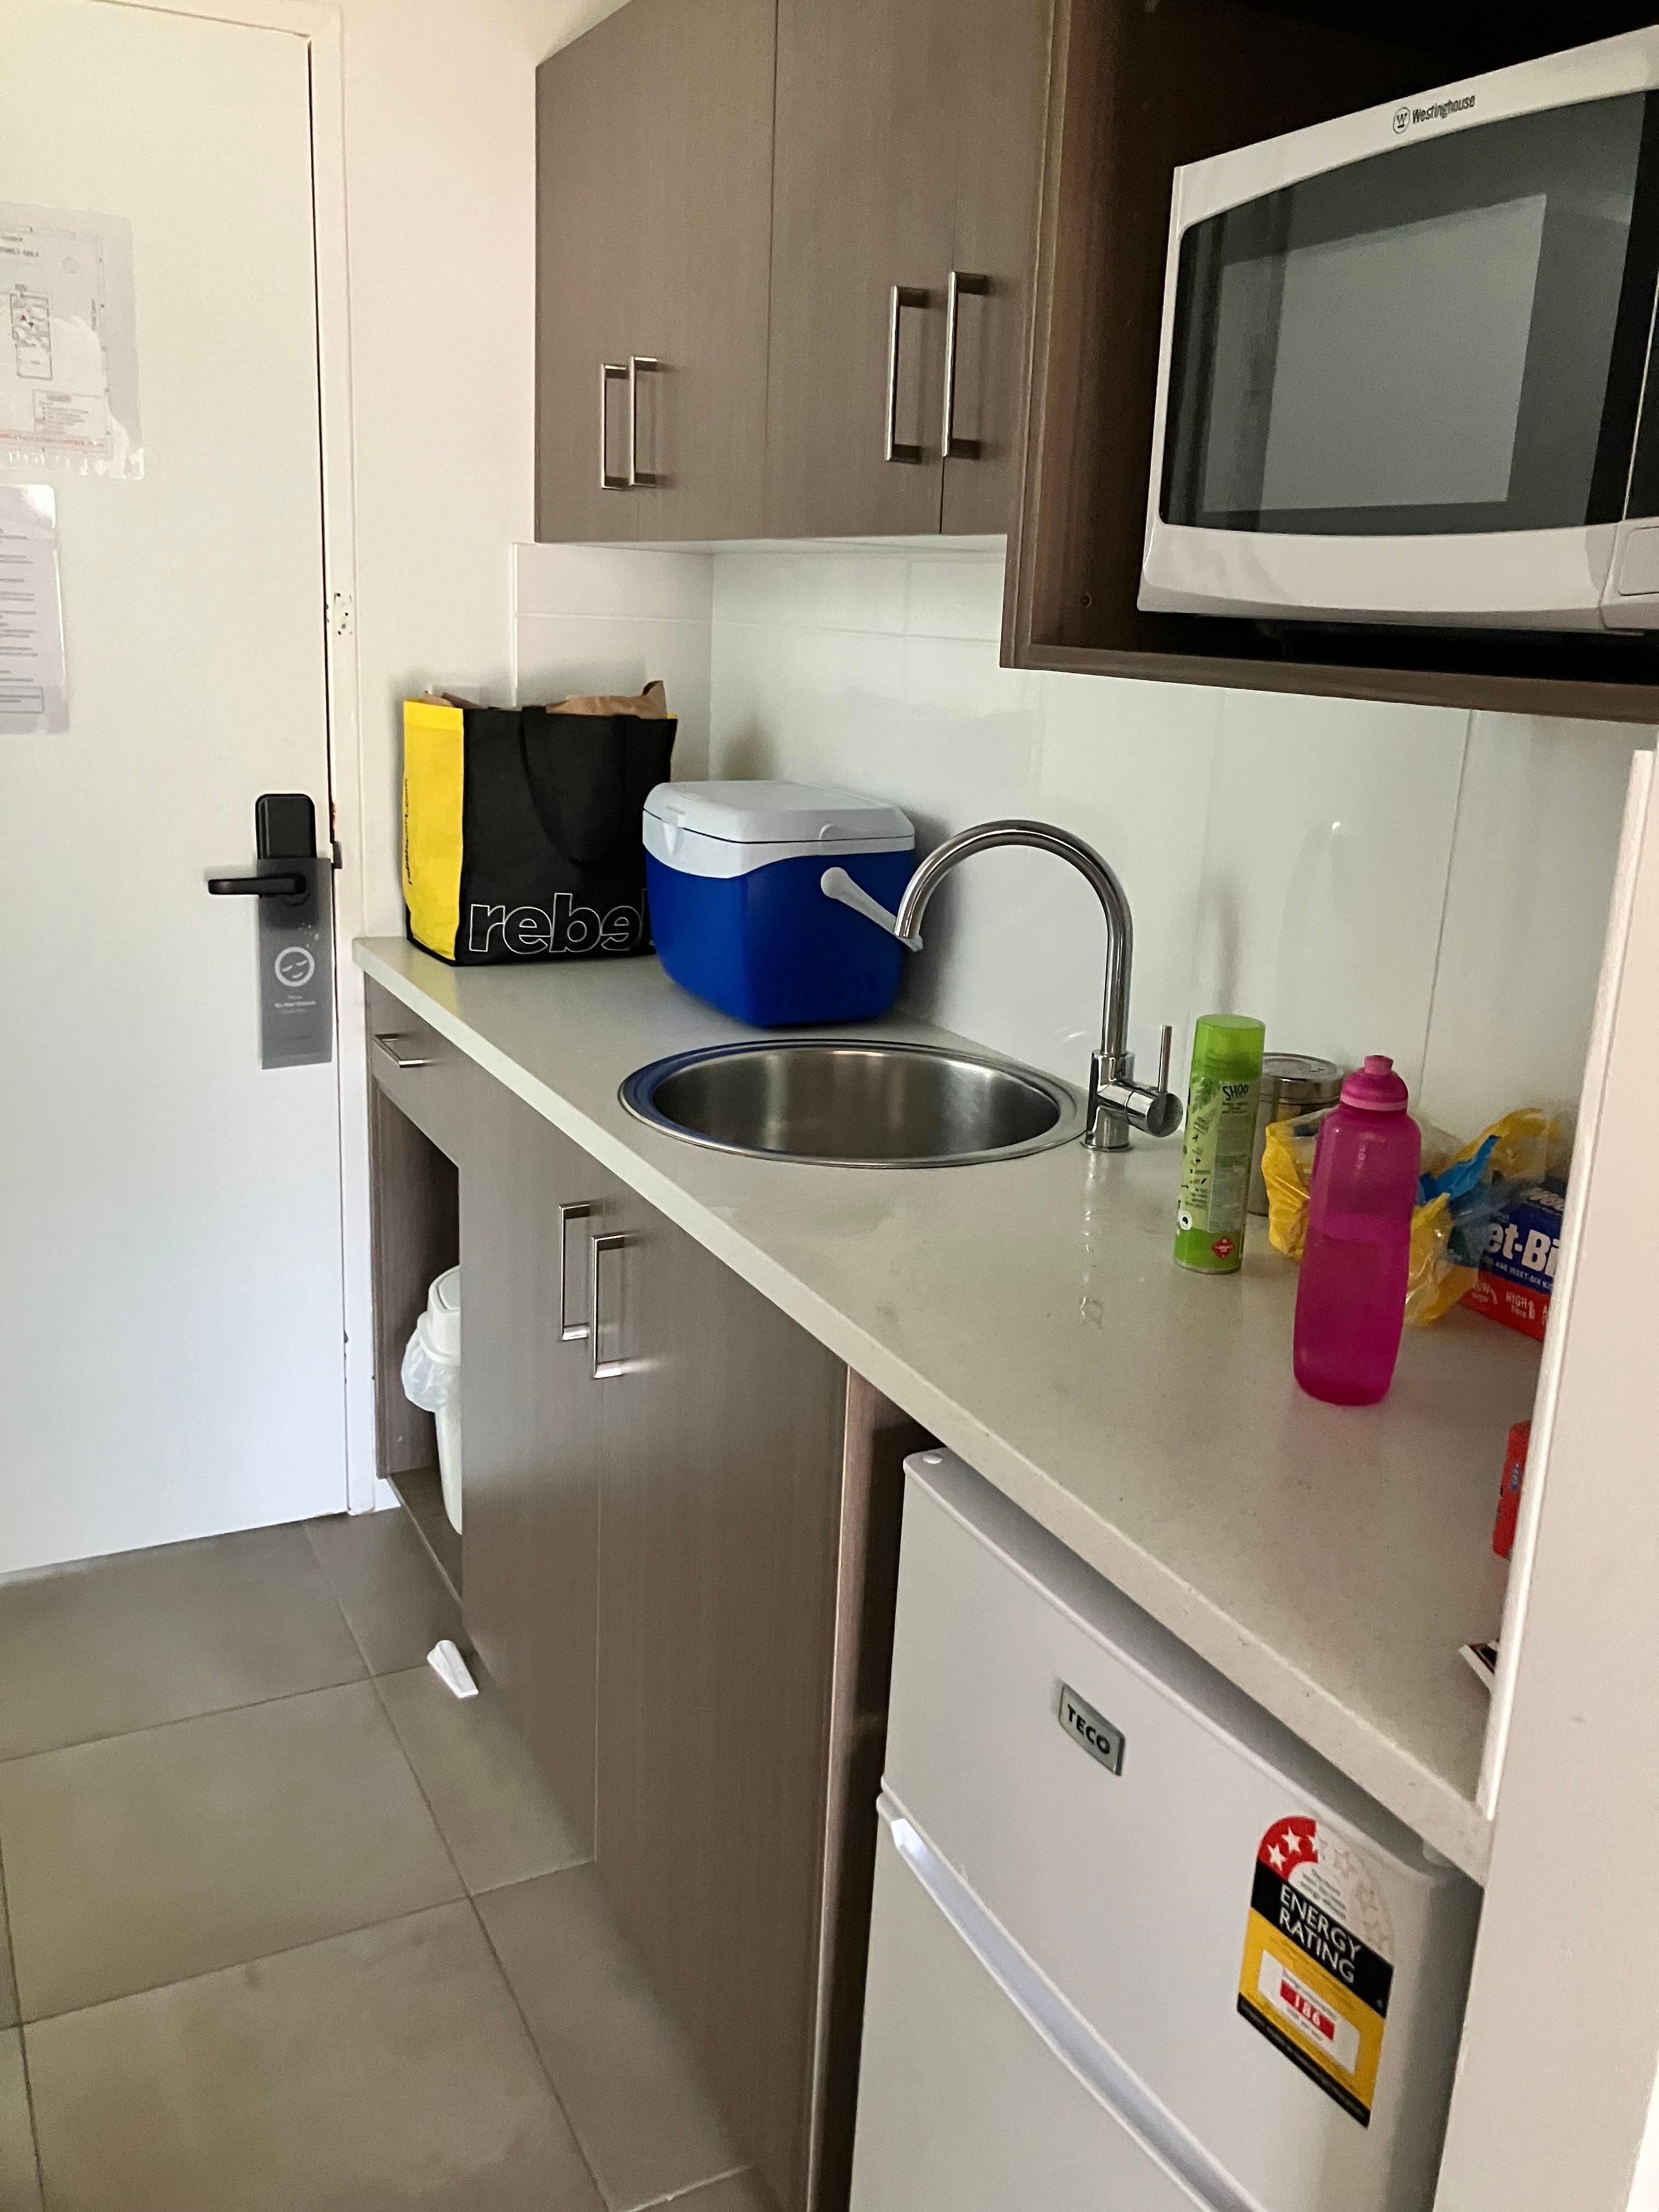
pixel 1526 912
pixel 611 580
pixel 1366 877
pixel 1328 843
pixel 958 596
pixel 832 591
pixel 557 655
pixel 1127 767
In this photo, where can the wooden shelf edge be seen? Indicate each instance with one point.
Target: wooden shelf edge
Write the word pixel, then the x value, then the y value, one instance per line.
pixel 1564 699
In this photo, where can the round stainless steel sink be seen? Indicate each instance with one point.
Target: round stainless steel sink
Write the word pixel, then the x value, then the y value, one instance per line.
pixel 859 1102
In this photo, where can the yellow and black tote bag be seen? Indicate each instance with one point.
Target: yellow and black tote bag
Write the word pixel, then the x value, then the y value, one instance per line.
pixel 522 836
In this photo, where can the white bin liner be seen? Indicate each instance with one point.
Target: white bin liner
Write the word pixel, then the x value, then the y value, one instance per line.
pixel 432 1379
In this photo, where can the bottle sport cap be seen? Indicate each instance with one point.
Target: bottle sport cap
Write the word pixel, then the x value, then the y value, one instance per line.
pixel 1375 1087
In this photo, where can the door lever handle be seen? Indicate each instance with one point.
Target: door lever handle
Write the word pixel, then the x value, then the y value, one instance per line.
pixel 257 886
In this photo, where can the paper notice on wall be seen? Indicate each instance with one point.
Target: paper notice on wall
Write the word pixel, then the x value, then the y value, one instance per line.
pixel 68 354
pixel 34 676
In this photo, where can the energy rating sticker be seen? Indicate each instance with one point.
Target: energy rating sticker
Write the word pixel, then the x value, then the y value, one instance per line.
pixel 1318 1959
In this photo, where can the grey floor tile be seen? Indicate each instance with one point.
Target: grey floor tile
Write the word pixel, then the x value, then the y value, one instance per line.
pixel 624 2073
pixel 20 2184
pixel 147 1857
pixel 146 1637
pixel 500 1819
pixel 377 2072
pixel 733 2192
pixel 9 2015
pixel 387 1587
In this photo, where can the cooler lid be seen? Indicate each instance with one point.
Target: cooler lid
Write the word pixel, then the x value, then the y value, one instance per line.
pixel 768 813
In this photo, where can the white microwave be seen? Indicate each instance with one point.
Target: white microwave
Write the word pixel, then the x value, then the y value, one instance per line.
pixel 1405 358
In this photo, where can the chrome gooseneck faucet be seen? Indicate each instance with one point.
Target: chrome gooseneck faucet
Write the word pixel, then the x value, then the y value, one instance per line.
pixel 1115 1099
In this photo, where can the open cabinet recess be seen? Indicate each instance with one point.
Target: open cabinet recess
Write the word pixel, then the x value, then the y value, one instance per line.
pixel 1136 91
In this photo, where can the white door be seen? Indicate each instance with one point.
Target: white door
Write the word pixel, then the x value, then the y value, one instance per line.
pixel 171 1353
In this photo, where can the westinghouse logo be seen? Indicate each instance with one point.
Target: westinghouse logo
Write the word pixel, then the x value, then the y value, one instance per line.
pixel 1437 110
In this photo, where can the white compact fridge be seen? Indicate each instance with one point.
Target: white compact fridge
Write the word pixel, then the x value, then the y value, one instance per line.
pixel 1134 1947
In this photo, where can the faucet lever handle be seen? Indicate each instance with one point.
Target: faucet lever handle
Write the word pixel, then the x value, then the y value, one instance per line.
pixel 1116 1100
pixel 836 884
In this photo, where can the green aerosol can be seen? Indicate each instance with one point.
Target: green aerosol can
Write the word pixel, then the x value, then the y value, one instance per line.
pixel 1220 1137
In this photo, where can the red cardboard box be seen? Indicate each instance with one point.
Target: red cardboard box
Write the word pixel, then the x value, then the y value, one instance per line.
pixel 1517 1268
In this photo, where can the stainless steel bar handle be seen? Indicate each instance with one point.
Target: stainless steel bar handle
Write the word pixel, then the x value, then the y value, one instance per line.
pixel 903 296
pixel 570 1332
pixel 611 372
pixel 600 1370
pixel 390 1046
pixel 639 364
pixel 951 447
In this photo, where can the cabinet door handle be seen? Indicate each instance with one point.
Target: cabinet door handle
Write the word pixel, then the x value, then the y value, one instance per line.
pixel 639 365
pixel 571 1331
pixel 601 1370
pixel 902 296
pixel 611 372
pixel 398 1050
pixel 951 447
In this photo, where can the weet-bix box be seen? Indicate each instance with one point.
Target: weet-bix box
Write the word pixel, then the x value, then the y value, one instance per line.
pixel 1517 1268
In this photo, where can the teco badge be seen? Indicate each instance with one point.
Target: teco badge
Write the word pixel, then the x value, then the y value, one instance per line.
pixel 1091 1730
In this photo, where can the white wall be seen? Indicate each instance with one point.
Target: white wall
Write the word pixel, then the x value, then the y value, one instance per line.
pixel 1365 878
pixel 596 618
pixel 1416 881
pixel 440 156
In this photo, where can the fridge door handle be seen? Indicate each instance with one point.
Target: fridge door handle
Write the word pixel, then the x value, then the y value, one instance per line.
pixel 1128 2098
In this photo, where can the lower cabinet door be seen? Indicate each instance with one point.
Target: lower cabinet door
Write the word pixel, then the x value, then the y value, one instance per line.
pixel 531 1204
pixel 722 1453
pixel 964 2104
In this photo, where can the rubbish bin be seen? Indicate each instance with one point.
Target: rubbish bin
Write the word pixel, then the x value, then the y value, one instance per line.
pixel 432 1380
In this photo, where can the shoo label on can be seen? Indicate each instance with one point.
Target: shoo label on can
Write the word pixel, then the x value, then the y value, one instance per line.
pixel 1091 1730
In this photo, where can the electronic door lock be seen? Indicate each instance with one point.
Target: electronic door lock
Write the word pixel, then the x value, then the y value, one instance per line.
pixel 295 932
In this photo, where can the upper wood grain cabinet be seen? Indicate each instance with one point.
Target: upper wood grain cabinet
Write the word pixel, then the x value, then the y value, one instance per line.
pixel 907 141
pixel 653 216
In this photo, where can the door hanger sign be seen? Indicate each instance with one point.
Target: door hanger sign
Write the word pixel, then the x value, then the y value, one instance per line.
pixel 296 982
pixel 1319 1959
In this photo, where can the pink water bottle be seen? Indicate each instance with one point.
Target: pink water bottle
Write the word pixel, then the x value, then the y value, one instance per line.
pixel 1351 1302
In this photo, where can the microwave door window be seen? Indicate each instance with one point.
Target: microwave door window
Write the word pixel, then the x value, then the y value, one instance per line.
pixel 1449 336
pixel 1360 332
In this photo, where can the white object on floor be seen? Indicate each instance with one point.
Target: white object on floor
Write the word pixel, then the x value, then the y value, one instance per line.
pixel 432 1381
pixel 1131 1942
pixel 451 1670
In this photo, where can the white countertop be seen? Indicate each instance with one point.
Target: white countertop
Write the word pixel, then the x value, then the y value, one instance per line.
pixel 1329 1561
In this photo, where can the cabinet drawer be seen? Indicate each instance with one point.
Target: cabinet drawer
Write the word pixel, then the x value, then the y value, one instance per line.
pixel 424 1075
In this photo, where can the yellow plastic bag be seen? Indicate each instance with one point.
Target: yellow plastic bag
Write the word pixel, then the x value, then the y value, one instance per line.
pixel 1529 1143
pixel 1436 1284
pixel 1287 1170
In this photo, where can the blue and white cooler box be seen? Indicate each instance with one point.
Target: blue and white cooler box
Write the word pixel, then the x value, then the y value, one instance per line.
pixel 733 873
